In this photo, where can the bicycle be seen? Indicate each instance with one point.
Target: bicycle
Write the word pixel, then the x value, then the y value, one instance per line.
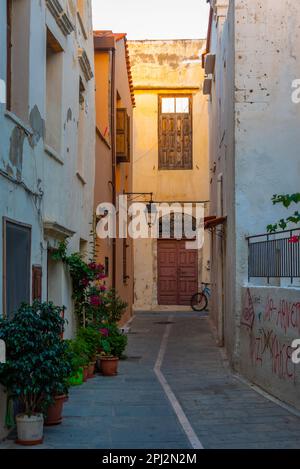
pixel 199 301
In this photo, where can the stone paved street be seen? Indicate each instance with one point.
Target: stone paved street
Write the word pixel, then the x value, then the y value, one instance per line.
pixel 133 411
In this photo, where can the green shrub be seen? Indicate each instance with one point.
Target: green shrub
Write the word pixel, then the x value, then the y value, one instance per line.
pixel 113 342
pixel 38 361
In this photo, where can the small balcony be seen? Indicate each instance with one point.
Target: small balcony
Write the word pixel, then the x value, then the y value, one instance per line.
pixel 274 259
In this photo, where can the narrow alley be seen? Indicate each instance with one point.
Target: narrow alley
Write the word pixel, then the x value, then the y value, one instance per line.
pixel 149 227
pixel 204 404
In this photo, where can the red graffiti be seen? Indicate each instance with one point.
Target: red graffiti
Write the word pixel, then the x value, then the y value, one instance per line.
pixel 267 348
pixel 248 313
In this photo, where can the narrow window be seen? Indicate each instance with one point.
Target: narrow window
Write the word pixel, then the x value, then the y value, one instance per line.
pixel 36 282
pixel 107 266
pixel 175 132
pixel 54 80
pixel 17 255
pixel 125 272
pixel 81 131
pixel 18 38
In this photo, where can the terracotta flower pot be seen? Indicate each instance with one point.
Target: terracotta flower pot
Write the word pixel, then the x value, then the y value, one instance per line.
pixel 54 414
pixel 30 429
pixel 85 373
pixel 91 370
pixel 109 366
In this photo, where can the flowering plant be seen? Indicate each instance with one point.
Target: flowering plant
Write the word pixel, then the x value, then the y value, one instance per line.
pixel 88 285
pixel 286 200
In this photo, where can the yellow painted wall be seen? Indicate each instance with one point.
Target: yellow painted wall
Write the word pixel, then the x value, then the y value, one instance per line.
pixel 165 67
pixel 123 172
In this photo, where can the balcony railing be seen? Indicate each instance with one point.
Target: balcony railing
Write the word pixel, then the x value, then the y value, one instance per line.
pixel 274 256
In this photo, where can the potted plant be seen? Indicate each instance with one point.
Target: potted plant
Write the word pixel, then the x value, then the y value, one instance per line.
pixel 81 353
pixel 113 344
pixel 32 370
pixel 91 337
pixel 60 385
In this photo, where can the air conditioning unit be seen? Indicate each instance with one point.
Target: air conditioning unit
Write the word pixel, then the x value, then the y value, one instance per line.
pixel 210 61
pixel 207 84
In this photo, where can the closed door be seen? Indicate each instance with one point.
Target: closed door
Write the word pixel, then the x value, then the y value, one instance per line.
pixel 177 272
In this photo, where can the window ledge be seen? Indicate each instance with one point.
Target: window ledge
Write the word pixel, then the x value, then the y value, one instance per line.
pixel 53 154
pixel 81 178
pixel 10 115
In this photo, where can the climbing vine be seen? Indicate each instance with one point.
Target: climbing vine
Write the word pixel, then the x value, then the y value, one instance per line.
pixel 294 218
pixel 88 285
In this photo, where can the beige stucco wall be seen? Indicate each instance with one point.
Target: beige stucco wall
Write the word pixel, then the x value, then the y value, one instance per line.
pixel 123 171
pixel 165 67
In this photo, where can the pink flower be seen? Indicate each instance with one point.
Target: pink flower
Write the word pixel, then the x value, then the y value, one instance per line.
pixel 84 282
pixel 103 288
pixel 104 332
pixel 93 266
pixel 101 276
pixel 95 300
pixel 294 239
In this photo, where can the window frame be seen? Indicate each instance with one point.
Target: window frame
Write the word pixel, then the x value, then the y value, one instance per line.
pixel 190 113
pixel 5 221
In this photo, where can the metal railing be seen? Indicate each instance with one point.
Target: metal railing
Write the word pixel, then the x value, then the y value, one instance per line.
pixel 274 256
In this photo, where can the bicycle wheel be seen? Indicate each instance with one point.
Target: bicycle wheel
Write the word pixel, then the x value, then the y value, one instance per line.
pixel 199 302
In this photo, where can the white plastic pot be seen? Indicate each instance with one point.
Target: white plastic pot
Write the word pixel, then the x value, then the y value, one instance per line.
pixel 30 429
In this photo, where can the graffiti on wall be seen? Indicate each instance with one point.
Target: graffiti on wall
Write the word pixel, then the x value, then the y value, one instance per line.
pixel 271 325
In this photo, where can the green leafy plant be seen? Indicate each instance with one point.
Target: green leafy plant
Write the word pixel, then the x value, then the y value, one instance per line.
pixel 89 339
pixel 286 200
pixel 114 307
pixel 38 360
pixel 113 341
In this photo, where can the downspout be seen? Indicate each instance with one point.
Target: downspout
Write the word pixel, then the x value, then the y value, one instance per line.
pixel 114 158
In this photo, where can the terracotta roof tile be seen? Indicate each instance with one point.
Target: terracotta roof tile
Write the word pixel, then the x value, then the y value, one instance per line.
pixel 119 37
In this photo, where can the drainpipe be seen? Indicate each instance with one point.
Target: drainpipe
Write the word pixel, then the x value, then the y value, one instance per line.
pixel 114 156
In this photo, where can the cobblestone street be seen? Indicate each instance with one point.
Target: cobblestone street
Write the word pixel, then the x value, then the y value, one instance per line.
pixel 133 410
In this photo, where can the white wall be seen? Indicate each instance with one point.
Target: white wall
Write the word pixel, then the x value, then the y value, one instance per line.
pixel 267 58
pixel 63 198
pixel 254 136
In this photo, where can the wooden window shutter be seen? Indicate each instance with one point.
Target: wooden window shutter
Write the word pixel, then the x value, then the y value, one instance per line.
pixel 175 137
pixel 36 283
pixel 122 136
pixel 125 273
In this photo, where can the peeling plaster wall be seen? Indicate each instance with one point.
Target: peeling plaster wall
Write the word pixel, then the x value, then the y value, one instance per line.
pixel 162 67
pixel 26 167
pixel 254 138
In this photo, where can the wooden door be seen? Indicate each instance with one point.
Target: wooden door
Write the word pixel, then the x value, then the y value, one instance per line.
pixel 177 272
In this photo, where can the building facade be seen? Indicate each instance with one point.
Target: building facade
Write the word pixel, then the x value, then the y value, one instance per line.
pixel 47 149
pixel 251 62
pixel 114 153
pixel 170 163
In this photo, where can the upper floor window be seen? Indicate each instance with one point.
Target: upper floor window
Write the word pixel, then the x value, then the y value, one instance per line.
pixel 17 79
pixel 54 80
pixel 175 132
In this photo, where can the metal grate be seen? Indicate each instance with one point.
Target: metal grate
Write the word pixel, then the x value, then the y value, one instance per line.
pixel 274 256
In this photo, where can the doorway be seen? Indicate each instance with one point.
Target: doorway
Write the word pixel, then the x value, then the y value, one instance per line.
pixel 177 272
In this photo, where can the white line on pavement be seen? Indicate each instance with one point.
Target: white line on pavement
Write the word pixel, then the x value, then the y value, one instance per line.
pixel 183 420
